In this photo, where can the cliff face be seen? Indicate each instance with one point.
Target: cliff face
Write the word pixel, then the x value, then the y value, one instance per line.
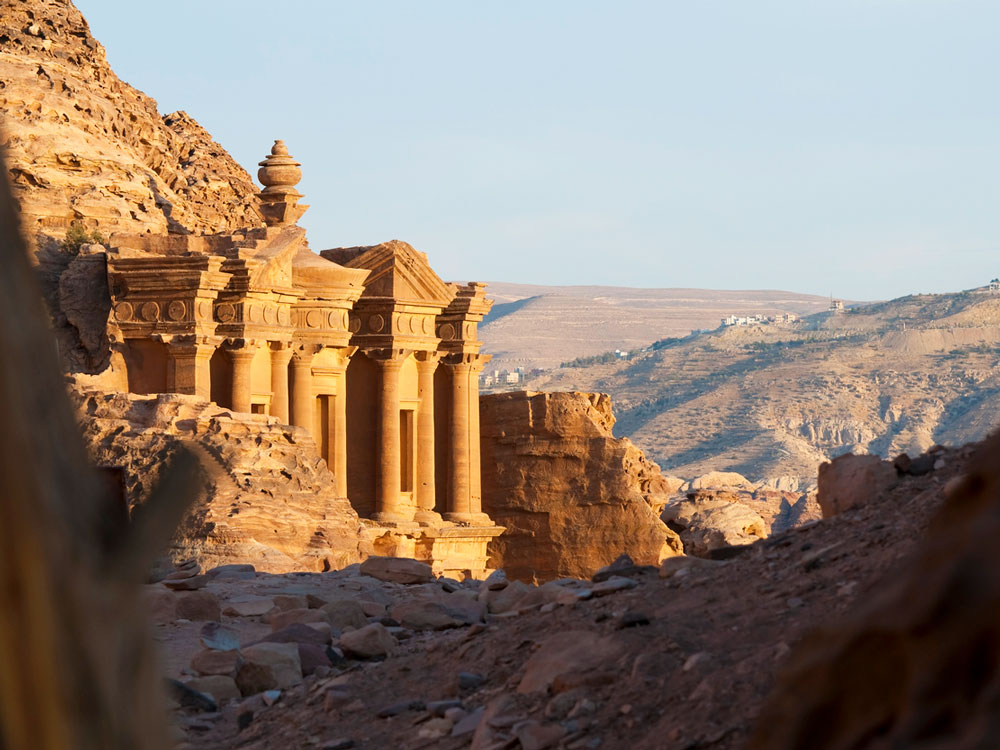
pixel 269 499
pixel 83 145
pixel 572 496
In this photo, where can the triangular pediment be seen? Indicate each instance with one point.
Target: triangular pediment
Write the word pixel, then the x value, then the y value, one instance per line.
pixel 397 270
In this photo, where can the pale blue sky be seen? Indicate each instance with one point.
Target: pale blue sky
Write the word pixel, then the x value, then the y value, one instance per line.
pixel 831 146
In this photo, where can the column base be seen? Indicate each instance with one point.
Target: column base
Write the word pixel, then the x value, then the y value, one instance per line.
pixel 427 517
pixel 383 516
pixel 474 519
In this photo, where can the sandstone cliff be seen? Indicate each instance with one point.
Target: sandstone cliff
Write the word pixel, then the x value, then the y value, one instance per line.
pixel 572 496
pixel 84 146
pixel 270 499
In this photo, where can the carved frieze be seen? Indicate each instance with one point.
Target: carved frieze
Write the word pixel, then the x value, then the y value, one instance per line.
pixel 177 310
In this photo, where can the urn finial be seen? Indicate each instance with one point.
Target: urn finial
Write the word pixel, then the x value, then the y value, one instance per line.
pixel 279 173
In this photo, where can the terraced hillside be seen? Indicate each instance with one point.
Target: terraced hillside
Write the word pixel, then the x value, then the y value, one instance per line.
pixel 770 401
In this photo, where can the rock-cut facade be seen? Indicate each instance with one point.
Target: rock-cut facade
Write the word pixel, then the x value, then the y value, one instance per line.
pixel 365 348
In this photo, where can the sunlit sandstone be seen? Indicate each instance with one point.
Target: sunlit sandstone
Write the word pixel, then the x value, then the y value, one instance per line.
pixel 364 347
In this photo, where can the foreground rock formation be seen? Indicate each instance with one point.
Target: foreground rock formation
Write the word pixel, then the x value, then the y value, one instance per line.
pixel 916 666
pixel 571 495
pixel 269 496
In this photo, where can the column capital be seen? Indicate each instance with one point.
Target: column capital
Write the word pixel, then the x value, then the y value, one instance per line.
pixel 242 353
pixel 387 355
pixel 343 355
pixel 190 342
pixel 426 357
pixel 302 354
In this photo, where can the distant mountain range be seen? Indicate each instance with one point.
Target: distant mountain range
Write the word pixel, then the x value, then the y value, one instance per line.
pixel 544 326
pixel 776 400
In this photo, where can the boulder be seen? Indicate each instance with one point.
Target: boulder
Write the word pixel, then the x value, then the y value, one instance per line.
pixel 425 614
pixel 281 659
pixel 280 620
pixel 248 606
pixel 571 659
pixel 233 572
pixel 212 662
pixel 300 633
pixel 849 481
pixel 572 496
pixel 372 641
pixel 222 688
pixel 198 606
pixel 345 613
pixel 720 480
pixel 707 524
pixel 397 570
pixel 217 636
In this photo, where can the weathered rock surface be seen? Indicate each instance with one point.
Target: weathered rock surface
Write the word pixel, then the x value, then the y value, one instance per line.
pixel 572 496
pixel 850 480
pixel 397 569
pixel 372 641
pixel 706 523
pixel 281 659
pixel 717 479
pixel 915 666
pixel 82 145
pixel 271 498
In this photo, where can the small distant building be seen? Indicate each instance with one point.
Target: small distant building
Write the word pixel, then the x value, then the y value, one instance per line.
pixel 746 320
pixel 836 305
pixel 995 286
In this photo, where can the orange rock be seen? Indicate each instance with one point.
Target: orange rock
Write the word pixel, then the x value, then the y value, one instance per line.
pixel 568 660
pixel 850 480
pixel 572 496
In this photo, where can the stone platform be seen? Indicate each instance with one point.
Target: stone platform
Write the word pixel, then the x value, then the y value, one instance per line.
pixel 452 550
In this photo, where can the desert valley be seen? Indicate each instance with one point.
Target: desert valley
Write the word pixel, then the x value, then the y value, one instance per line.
pixel 255 493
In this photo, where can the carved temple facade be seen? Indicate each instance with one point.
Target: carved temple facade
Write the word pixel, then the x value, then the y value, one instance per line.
pixel 364 347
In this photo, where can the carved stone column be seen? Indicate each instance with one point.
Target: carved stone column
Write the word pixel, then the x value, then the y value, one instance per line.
pixel 427 363
pixel 388 505
pixel 339 435
pixel 475 467
pixel 303 399
pixel 281 355
pixel 189 369
pixel 463 470
pixel 242 359
pixel 459 466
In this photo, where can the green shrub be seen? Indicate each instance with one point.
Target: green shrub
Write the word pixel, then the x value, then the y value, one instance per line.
pixel 77 236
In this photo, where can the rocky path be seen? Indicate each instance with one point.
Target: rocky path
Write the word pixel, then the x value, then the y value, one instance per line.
pixel 679 657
